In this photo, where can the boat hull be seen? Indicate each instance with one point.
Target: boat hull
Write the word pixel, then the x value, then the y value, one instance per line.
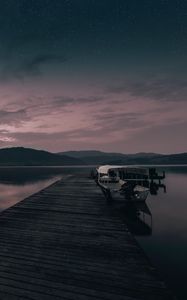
pixel 134 197
pixel 113 192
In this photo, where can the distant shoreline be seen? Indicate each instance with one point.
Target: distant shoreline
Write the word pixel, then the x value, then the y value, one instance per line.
pixel 28 157
pixel 89 166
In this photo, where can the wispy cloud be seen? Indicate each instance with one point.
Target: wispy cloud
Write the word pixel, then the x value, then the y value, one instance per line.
pixel 13 117
pixel 55 119
pixel 168 89
pixel 29 66
pixel 66 101
pixel 34 65
pixel 6 139
pixel 121 120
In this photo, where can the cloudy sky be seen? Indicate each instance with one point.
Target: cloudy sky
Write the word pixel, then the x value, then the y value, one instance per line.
pixel 94 74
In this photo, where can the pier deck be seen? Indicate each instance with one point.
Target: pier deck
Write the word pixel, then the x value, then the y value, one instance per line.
pixel 64 243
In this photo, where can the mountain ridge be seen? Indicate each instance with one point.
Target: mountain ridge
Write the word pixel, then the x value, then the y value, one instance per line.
pixel 21 156
pixel 121 158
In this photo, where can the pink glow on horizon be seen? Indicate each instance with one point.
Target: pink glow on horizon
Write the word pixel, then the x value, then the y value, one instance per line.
pixel 61 117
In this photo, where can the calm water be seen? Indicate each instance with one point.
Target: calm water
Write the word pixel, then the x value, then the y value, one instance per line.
pixel 167 246
pixel 164 239
pixel 18 183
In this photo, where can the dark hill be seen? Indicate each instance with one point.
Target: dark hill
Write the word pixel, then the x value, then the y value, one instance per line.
pixel 20 156
pixel 99 157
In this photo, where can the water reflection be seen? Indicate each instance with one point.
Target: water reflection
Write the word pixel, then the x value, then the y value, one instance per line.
pixel 167 246
pixel 138 217
pixel 17 183
pixel 154 187
pixel 27 175
pixel 12 193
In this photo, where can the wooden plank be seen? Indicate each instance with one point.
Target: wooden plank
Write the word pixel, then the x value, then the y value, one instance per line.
pixel 65 242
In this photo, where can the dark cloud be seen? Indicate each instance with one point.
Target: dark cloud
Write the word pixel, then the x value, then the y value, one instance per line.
pixel 118 121
pixel 65 101
pixel 64 104
pixel 30 66
pixel 159 89
pixel 4 131
pixel 33 67
pixel 13 117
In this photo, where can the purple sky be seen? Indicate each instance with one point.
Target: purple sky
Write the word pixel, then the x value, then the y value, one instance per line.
pixel 94 81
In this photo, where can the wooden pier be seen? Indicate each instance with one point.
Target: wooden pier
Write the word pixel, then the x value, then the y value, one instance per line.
pixel 65 243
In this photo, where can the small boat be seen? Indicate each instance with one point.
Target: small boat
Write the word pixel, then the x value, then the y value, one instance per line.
pixel 123 182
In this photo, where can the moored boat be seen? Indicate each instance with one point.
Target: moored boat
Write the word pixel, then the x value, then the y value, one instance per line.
pixel 124 182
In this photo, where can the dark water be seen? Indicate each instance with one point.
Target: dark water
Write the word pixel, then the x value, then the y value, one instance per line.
pixel 164 236
pixel 167 246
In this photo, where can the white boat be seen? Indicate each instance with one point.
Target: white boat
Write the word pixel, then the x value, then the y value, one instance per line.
pixel 123 182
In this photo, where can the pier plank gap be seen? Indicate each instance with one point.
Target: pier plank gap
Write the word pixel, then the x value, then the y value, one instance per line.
pixel 64 243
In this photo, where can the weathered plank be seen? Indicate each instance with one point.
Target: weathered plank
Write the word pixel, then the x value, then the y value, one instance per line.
pixel 65 243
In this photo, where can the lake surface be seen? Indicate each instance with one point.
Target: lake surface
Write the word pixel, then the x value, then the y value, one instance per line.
pixel 167 246
pixel 164 238
pixel 17 183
